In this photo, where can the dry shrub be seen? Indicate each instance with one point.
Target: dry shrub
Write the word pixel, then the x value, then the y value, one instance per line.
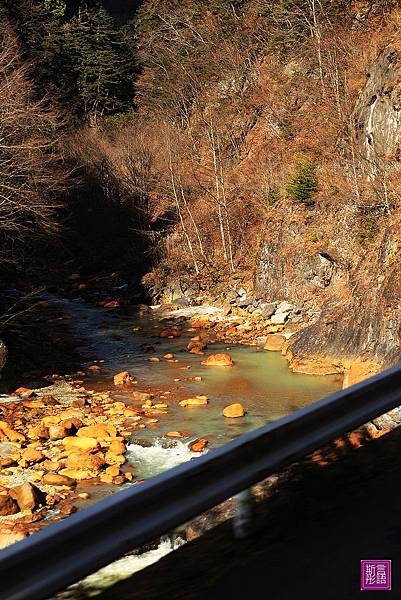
pixel 31 168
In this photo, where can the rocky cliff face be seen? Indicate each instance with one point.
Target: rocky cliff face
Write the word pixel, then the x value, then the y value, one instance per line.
pixel 357 294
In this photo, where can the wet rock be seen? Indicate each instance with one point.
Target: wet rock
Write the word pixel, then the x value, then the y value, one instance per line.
pixel 168 356
pixel 123 378
pixel 198 445
pixel 234 411
pixel 196 401
pixel 170 333
pixel 114 459
pixel 28 496
pixel 57 479
pixel 154 359
pixel 117 447
pixel 174 434
pixel 8 506
pixel 274 342
pixel 218 360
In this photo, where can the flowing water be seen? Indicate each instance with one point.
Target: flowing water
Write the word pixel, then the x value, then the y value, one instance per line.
pixel 259 380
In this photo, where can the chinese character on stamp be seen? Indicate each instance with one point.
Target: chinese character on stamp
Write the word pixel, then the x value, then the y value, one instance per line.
pixel 375 574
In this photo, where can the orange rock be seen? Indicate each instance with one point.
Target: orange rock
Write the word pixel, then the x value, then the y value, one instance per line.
pixel 23 391
pixel 196 401
pixel 57 479
pixel 57 432
pixel 201 321
pixel 174 434
pixel 33 404
pixel 32 456
pixel 234 410
pixel 170 333
pixel 28 496
pixel 114 459
pixel 7 538
pixel 84 461
pixel 111 304
pixel 198 445
pixel 8 506
pixel 72 424
pixel 117 447
pixel 123 378
pixel 218 360
pixel 275 342
pixel 51 465
pixel 95 368
pixel 98 431
pixel 85 444
pixel 6 432
pixel 168 356
pixel 113 470
pixel 154 359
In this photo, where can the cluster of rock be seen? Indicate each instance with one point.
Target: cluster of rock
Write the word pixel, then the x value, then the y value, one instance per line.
pixel 52 447
pixel 277 312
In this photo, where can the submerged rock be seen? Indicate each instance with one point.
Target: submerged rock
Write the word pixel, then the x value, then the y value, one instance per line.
pixel 196 401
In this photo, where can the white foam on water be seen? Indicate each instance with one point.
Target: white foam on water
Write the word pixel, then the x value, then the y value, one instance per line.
pixel 95 584
pixel 152 460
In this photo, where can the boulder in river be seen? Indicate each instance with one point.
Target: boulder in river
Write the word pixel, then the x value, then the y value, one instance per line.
pixel 123 378
pixel 233 411
pixel 198 445
pixel 218 360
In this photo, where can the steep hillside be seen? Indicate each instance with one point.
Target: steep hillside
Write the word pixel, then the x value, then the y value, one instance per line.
pixel 278 153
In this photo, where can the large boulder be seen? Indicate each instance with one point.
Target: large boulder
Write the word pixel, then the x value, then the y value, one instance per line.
pixel 218 360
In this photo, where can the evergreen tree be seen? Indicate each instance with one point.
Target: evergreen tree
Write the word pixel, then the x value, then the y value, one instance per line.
pixel 304 183
pixel 102 63
pixel 78 55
